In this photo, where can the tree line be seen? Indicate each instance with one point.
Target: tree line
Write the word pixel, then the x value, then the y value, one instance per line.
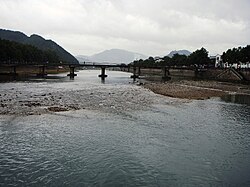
pixel 236 55
pixel 13 52
pixel 198 58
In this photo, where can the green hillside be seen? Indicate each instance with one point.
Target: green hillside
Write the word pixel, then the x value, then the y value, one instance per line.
pixel 14 52
pixel 40 43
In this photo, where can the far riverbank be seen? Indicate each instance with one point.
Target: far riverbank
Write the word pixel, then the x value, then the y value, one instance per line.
pixel 189 89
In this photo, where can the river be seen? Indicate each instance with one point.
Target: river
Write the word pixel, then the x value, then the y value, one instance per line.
pixel 120 135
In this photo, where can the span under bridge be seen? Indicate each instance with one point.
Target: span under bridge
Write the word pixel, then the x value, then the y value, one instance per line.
pixel 134 69
pixel 41 69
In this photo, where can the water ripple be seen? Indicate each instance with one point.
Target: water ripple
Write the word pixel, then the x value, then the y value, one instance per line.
pixel 167 143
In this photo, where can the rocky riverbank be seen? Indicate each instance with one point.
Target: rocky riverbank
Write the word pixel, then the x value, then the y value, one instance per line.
pixel 188 89
pixel 31 98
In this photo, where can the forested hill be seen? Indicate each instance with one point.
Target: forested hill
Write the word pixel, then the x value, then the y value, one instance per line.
pixel 14 52
pixel 40 43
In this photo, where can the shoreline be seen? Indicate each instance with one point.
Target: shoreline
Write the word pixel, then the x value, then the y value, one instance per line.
pixel 26 98
pixel 198 90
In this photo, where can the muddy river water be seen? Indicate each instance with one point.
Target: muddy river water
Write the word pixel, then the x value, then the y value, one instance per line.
pixel 118 134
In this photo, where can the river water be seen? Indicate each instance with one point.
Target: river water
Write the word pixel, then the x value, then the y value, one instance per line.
pixel 121 135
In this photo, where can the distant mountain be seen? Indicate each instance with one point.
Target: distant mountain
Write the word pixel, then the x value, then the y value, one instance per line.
pixel 82 58
pixel 180 52
pixel 40 43
pixel 113 56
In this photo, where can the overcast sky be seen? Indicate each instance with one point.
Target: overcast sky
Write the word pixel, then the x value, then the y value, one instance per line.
pixel 150 27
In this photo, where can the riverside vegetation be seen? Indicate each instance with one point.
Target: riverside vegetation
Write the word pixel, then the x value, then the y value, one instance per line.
pixel 198 58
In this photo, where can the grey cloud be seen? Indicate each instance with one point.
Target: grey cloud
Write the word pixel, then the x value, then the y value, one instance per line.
pixel 145 26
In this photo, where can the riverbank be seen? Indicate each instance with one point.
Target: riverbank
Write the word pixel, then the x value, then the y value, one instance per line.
pixel 30 70
pixel 85 92
pixel 189 89
pixel 117 95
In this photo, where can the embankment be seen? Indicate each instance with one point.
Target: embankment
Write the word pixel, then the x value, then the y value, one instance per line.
pixel 189 89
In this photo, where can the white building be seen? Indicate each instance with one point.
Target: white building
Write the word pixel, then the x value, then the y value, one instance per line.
pixel 219 62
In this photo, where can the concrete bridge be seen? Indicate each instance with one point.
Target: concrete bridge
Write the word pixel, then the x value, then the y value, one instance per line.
pixel 164 71
pixel 136 70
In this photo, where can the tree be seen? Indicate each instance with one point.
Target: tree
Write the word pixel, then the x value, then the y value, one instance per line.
pixel 148 62
pixel 232 56
pixel 245 54
pixel 199 57
pixel 179 60
pixel 13 52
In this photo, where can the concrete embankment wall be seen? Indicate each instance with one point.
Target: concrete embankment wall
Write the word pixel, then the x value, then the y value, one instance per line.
pixel 214 74
pixel 211 74
pixel 172 72
pixel 182 73
pixel 246 74
pixel 226 75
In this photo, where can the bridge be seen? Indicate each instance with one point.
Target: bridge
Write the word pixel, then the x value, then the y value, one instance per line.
pixel 135 69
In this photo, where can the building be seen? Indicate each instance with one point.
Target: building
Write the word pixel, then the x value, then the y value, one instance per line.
pixel 219 63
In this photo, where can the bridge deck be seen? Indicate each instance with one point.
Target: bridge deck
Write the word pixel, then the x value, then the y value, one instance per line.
pixel 96 65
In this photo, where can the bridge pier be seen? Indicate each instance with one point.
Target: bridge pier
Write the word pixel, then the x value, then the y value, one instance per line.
pixel 102 75
pixel 72 73
pixel 134 76
pixel 41 71
pixel 139 71
pixel 13 71
pixel 165 74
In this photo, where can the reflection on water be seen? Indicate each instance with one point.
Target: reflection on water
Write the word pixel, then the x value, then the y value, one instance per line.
pixel 6 78
pixel 198 143
pixel 237 98
pixel 11 78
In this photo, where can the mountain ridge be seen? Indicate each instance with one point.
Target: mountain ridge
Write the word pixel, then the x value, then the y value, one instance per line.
pixel 180 52
pixel 112 56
